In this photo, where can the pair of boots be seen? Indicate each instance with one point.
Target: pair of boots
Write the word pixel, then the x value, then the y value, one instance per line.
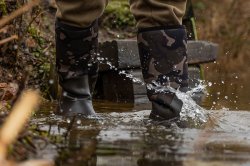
pixel 163 60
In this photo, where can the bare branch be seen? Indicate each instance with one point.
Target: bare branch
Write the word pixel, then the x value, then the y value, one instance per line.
pixel 14 123
pixel 14 37
pixel 19 12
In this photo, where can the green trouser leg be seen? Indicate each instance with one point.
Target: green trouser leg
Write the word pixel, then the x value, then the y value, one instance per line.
pixel 80 13
pixel 148 13
pixel 155 13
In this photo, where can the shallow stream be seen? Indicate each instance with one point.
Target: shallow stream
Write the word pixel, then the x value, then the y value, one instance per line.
pixel 123 135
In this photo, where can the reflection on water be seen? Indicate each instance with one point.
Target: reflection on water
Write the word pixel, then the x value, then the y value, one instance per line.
pixel 130 138
pixel 123 135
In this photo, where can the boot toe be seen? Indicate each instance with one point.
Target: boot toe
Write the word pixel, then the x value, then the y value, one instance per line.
pixel 162 112
pixel 78 107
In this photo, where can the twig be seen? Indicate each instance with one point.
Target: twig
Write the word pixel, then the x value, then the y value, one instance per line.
pixel 33 19
pixel 4 29
pixel 50 44
pixel 70 127
pixel 15 121
pixel 21 85
pixel 19 12
pixel 6 40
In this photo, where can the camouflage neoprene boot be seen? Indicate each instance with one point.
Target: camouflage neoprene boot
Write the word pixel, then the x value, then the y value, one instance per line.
pixel 77 67
pixel 164 66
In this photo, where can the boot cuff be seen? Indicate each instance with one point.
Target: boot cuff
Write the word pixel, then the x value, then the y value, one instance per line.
pixel 76 32
pixel 161 28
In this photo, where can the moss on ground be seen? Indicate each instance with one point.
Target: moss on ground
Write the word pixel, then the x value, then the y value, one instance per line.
pixel 3 10
pixel 118 15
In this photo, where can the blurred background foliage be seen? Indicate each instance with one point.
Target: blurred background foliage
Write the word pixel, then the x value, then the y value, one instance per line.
pixel 117 15
pixel 226 22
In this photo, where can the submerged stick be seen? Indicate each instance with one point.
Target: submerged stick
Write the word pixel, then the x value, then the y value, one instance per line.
pixel 14 123
pixel 18 12
pixel 9 39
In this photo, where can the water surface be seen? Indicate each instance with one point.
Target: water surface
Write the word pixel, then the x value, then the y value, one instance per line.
pixel 123 135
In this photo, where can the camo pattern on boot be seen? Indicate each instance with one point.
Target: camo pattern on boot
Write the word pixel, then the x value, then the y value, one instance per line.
pixel 164 64
pixel 77 67
pixel 78 47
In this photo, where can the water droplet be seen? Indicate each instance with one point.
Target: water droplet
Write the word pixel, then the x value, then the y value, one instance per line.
pixel 210 83
pixel 51 81
pixel 226 97
pixel 78 122
pixel 15 47
pixel 68 120
pixel 64 93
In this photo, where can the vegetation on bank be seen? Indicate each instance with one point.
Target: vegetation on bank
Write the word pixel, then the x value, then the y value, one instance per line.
pixel 226 22
pixel 23 62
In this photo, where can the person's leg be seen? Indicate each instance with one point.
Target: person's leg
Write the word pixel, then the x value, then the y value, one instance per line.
pixel 155 13
pixel 79 13
pixel 162 47
pixel 76 53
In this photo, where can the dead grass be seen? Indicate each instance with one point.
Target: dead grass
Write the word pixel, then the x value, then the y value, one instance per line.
pixel 226 22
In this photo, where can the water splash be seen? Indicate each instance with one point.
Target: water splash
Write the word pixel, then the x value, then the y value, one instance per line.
pixel 106 62
pixel 132 77
pixel 190 109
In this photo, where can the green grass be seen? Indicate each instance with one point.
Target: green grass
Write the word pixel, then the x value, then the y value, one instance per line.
pixel 3 7
pixel 117 15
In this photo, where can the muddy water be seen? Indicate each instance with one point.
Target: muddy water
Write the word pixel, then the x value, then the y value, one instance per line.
pixel 123 135
pixel 228 90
